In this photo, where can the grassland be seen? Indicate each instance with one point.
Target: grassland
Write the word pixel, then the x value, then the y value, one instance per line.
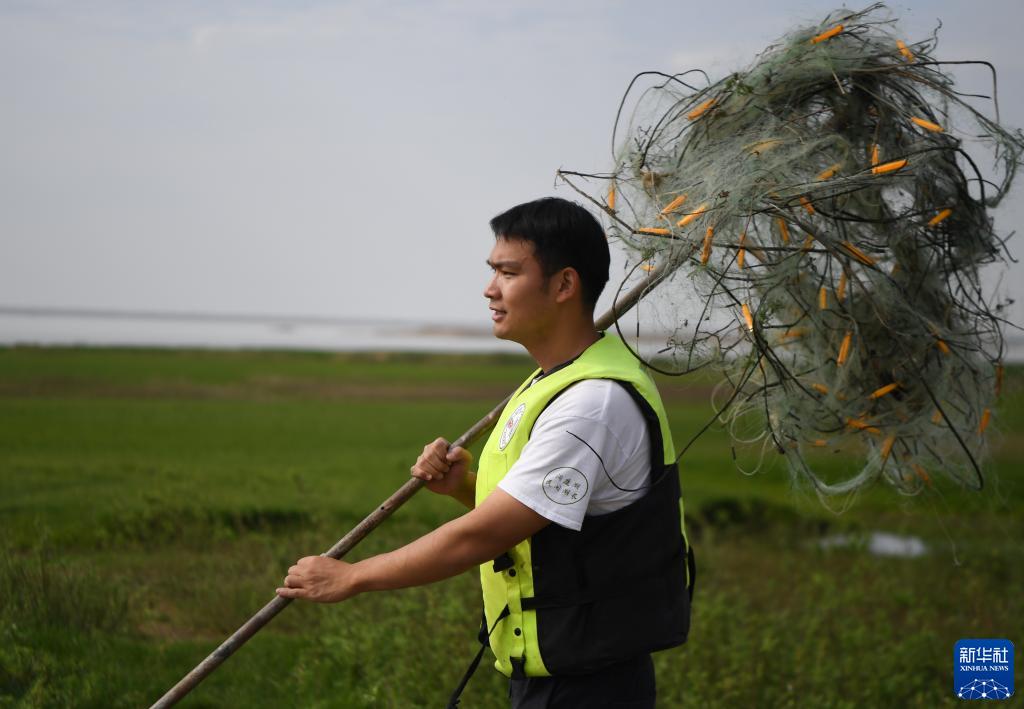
pixel 150 501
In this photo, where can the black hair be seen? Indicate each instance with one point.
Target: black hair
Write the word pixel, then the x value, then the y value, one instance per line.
pixel 563 234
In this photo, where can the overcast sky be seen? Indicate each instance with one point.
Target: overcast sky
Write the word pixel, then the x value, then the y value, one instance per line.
pixel 343 158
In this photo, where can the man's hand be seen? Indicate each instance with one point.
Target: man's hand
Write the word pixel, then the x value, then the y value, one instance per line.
pixel 319 579
pixel 446 472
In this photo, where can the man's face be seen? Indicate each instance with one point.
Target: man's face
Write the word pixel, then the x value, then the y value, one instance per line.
pixel 521 299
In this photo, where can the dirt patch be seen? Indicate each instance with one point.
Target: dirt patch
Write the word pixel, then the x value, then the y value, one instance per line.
pixel 276 389
pixel 283 388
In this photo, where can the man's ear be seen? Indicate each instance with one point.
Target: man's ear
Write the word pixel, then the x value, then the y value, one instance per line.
pixel 567 284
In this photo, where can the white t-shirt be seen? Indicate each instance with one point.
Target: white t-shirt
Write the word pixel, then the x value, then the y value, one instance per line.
pixel 559 474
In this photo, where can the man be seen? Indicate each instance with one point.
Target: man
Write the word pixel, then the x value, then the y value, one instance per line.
pixel 575 515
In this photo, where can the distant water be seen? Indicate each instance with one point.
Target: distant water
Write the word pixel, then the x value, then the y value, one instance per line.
pixel 139 329
pixel 51 326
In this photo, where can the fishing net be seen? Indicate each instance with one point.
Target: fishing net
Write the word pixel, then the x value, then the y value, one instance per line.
pixel 823 212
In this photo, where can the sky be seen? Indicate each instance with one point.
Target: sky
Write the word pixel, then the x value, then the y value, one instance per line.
pixel 342 159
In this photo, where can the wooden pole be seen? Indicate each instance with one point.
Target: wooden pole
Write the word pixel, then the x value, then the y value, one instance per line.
pixel 386 508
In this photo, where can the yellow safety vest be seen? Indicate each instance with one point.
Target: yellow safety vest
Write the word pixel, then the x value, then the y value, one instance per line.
pixel 567 602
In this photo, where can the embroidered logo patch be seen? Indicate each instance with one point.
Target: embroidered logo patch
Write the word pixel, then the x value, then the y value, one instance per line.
pixel 565 486
pixel 510 426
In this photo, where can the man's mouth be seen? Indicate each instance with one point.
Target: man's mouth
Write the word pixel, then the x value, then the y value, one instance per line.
pixel 497 314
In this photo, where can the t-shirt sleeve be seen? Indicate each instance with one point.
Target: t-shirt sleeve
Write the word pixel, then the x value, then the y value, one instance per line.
pixel 563 464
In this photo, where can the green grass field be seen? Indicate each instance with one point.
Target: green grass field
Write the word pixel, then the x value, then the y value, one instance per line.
pixel 150 502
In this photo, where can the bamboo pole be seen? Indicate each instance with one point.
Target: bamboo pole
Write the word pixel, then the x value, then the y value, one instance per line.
pixel 385 510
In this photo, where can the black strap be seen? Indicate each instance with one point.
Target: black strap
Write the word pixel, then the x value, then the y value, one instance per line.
pixel 453 702
pixel 657 449
pixel 518 667
pixel 691 567
pixel 503 562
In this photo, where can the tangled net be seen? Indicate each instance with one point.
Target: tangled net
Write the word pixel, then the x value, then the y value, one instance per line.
pixel 821 202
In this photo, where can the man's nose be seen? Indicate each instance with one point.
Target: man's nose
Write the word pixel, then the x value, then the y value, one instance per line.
pixel 491 291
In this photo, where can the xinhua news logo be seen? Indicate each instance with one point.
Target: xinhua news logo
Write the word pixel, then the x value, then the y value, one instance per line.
pixel 983 668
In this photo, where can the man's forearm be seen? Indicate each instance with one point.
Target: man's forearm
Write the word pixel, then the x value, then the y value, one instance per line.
pixel 495 526
pixel 447 551
pixel 485 532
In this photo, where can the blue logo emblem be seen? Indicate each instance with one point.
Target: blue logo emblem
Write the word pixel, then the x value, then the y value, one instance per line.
pixel 983 668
